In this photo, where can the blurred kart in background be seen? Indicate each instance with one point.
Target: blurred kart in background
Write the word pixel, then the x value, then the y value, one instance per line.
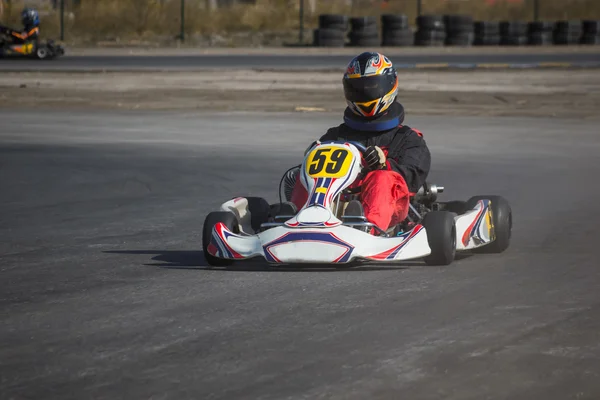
pixel 41 50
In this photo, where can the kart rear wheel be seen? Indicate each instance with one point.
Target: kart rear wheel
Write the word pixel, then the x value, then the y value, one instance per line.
pixel 441 235
pixel 502 220
pixel 210 221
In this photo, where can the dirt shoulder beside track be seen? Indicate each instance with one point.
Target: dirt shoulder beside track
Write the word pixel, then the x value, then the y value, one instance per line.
pixel 555 93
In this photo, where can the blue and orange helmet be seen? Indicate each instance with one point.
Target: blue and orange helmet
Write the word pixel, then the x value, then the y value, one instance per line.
pixel 30 18
pixel 370 84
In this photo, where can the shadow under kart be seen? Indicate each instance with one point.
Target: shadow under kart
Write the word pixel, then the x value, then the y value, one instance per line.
pixel 327 230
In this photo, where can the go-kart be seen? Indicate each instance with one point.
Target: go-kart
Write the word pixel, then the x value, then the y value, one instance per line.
pixel 41 50
pixel 326 231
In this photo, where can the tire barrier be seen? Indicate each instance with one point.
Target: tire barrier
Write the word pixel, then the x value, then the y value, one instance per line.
pixel 513 33
pixel 540 33
pixel 459 30
pixel 396 31
pixel 450 30
pixel 331 32
pixel 364 32
pixel 486 33
pixel 567 32
pixel 431 30
pixel 591 32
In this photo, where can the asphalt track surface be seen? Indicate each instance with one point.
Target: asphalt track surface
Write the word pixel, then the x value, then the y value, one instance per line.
pixel 302 62
pixel 104 292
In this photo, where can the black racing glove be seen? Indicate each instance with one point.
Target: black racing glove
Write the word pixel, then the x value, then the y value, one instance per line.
pixel 374 158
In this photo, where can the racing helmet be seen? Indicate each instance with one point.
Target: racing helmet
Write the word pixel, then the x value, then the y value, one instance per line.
pixel 370 84
pixel 30 18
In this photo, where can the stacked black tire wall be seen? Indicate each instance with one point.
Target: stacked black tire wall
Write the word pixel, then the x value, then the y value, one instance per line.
pixel 591 32
pixel 568 32
pixel 332 31
pixel 459 30
pixel 539 33
pixel 431 31
pixel 486 33
pixel 364 32
pixel 396 31
pixel 513 33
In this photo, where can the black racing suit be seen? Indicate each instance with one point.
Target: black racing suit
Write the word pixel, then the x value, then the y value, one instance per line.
pixel 384 194
pixel 405 148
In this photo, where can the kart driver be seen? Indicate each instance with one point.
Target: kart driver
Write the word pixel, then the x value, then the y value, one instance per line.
pixel 397 158
pixel 30 33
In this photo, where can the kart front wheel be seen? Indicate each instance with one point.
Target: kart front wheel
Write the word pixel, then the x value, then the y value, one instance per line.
pixel 210 221
pixel 441 235
pixel 502 220
pixel 42 53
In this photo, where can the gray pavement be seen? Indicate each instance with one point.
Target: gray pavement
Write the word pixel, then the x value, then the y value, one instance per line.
pixel 104 292
pixel 287 61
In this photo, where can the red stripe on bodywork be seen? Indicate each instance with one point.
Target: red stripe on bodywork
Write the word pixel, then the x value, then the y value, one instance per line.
pixel 220 227
pixel 467 234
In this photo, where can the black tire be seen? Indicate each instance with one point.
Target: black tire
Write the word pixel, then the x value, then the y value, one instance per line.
pixel 458 23
pixel 566 38
pixel 397 38
pixel 513 28
pixel 366 31
pixel 431 23
pixel 331 43
pixel 429 43
pixel 43 53
pixel 430 35
pixel 329 38
pixel 260 211
pixel 513 40
pixel 540 26
pixel 590 39
pixel 326 20
pixel 336 27
pixel 591 27
pixel 459 40
pixel 486 40
pixel 358 23
pixel 457 19
pixel 394 21
pixel 397 34
pixel 502 220
pixel 368 41
pixel 441 234
pixel 210 221
pixel 540 39
pixel 486 28
pixel 460 30
pixel 398 42
pixel 568 27
pixel 330 34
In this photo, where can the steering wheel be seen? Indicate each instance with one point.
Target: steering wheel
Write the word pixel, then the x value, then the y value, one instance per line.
pixel 358 145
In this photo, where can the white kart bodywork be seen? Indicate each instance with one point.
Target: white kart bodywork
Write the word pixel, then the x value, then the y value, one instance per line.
pixel 316 235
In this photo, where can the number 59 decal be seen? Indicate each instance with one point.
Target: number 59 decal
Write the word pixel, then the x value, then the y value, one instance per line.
pixel 328 162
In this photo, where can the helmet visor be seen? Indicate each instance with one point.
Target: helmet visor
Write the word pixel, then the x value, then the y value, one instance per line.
pixel 360 90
